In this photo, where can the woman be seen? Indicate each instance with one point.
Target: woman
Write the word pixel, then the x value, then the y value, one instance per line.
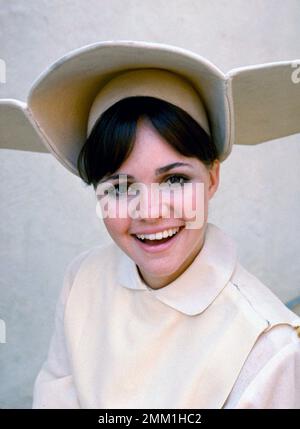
pixel 164 316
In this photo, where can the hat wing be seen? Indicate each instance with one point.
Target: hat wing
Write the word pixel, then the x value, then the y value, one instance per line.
pixel 17 127
pixel 265 101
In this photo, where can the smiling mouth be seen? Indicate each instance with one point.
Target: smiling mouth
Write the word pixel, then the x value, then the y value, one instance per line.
pixel 157 242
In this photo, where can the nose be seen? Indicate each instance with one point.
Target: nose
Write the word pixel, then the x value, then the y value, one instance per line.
pixel 150 203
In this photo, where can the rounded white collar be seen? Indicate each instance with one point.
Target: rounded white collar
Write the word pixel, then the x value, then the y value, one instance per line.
pixel 198 286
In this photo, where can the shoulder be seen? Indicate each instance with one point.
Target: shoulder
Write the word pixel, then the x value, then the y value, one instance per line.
pixel 101 255
pixel 97 257
pixel 263 302
pixel 270 377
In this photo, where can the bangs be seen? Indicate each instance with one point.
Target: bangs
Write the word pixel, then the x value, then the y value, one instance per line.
pixel 112 138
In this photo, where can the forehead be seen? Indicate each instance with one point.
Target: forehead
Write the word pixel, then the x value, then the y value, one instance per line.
pixel 151 150
pixel 152 156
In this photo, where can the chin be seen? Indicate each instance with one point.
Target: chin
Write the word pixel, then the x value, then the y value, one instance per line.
pixel 159 268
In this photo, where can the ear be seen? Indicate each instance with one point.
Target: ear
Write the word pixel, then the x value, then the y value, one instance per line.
pixel 214 178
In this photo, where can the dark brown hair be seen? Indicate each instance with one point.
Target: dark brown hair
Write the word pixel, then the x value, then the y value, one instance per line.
pixel 112 137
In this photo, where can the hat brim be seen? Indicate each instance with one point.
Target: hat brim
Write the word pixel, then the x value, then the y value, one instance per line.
pixel 247 106
pixel 60 99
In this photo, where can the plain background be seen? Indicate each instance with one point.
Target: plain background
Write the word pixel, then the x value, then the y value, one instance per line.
pixel 47 214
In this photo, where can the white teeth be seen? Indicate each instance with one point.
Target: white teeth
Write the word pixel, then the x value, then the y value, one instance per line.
pixel 159 235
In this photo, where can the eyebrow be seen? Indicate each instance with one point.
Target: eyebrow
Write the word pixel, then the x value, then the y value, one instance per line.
pixel 158 171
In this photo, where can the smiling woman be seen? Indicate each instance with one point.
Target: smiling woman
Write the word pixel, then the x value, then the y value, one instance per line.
pixel 164 316
pixel 152 141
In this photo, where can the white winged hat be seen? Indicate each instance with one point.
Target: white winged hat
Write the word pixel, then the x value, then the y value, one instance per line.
pixel 246 106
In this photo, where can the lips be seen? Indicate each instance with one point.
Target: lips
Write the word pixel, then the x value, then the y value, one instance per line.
pixel 153 246
pixel 166 228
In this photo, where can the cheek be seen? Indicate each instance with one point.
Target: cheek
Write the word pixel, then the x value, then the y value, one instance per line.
pixel 117 228
pixel 191 203
pixel 200 197
pixel 112 208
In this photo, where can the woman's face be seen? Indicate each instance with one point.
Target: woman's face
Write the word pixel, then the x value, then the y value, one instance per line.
pixel 166 201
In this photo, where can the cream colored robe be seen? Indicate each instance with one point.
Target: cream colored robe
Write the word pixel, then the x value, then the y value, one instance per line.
pixel 216 337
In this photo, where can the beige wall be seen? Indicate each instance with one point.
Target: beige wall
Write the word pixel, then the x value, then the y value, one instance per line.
pixel 48 216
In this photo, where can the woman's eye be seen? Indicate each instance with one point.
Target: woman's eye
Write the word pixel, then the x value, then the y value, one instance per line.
pixel 122 189
pixel 177 179
pixel 114 191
